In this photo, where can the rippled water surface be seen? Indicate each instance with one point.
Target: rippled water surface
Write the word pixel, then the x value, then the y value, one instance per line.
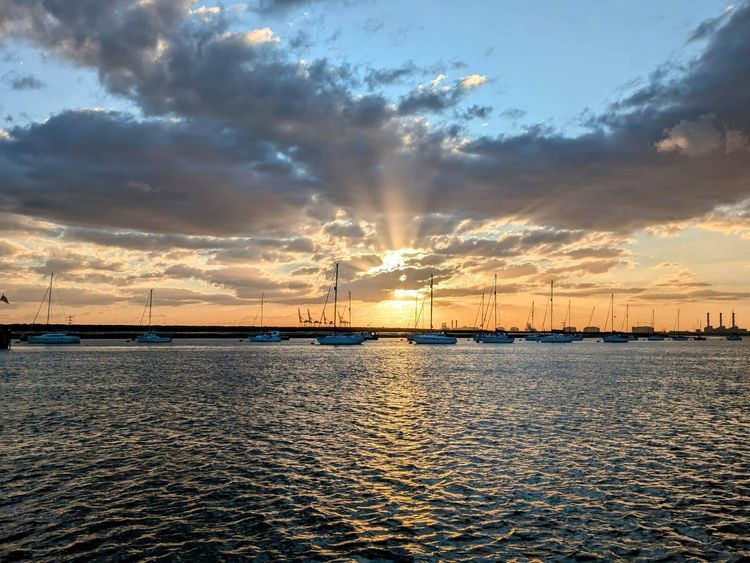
pixel 219 450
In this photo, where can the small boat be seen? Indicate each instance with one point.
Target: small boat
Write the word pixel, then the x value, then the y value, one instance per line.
pixel 532 337
pixel 553 337
pixel 678 336
pixel 655 337
pixel 432 337
pixel 699 337
pixel 369 335
pixel 51 337
pixel 613 337
pixel 498 336
pixel 151 336
pixel 340 338
pixel 265 337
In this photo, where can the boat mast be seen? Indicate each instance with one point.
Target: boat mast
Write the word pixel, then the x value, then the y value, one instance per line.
pixel 612 308
pixel 261 311
pixel 150 305
pixel 431 283
pixel 335 295
pixel 627 315
pixel 551 305
pixel 350 309
pixel 49 296
pixel 495 292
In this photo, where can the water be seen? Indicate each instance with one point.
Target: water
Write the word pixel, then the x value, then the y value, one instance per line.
pixel 221 450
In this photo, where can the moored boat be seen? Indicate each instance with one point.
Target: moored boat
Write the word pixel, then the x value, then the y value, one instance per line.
pixel 265 336
pixel 340 338
pixel 151 336
pixel 432 337
pixel 51 338
pixel 497 336
pixel 553 337
pixel 613 337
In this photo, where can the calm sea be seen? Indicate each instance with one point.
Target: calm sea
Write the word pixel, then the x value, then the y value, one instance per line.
pixel 221 450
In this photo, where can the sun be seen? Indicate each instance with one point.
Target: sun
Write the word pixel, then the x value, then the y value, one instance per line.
pixel 392 260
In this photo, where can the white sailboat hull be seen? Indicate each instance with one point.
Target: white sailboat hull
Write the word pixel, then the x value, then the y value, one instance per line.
pixel 265 337
pixel 494 338
pixel 433 338
pixel 555 339
pixel 153 338
pixel 54 338
pixel 347 339
pixel 615 339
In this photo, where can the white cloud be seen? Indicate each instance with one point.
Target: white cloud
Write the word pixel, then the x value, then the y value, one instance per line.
pixel 473 81
pixel 261 35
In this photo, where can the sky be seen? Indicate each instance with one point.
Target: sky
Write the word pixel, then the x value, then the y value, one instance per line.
pixel 219 151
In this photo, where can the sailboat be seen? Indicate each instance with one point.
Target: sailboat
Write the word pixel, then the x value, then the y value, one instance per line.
pixel 432 337
pixel 150 336
pixel 339 338
pixel 574 336
pixel 265 337
pixel 678 336
pixel 496 337
pixel 614 338
pixel 553 337
pixel 533 335
pixel 654 337
pixel 52 337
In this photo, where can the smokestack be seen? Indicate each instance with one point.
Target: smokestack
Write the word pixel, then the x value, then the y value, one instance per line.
pixel 721 319
pixel 733 325
pixel 708 319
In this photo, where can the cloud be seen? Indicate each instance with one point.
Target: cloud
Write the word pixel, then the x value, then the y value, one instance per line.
pixel 436 96
pixel 24 82
pixel 692 138
pixel 236 138
pixel 261 35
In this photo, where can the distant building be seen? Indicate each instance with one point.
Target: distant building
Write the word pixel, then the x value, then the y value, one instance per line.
pixel 591 329
pixel 643 330
pixel 569 329
pixel 514 329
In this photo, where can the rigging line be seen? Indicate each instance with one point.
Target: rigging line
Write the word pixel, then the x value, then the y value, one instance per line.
pixel 486 311
pixel 143 314
pixel 544 319
pixel 481 305
pixel 606 321
pixel 40 306
pixel 419 315
pixel 328 296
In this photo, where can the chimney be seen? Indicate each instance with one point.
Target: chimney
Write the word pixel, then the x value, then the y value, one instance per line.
pixel 721 319
pixel 733 324
pixel 708 319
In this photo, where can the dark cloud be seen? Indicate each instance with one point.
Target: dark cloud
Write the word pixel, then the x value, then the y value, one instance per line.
pixel 436 96
pixel 240 138
pixel 512 113
pixel 24 82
